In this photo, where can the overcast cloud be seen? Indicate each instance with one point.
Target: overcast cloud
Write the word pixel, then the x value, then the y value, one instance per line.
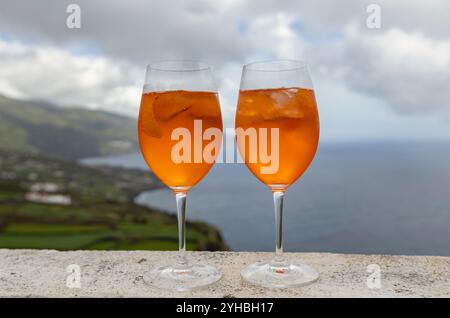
pixel 401 69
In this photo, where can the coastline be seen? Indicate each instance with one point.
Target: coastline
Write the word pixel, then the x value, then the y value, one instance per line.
pixel 102 214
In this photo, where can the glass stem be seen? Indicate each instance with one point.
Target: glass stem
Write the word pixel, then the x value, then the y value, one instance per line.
pixel 278 197
pixel 181 215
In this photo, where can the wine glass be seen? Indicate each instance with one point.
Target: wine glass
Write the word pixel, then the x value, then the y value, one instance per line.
pixel 180 133
pixel 277 134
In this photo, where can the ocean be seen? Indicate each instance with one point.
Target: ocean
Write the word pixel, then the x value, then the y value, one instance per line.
pixel 390 198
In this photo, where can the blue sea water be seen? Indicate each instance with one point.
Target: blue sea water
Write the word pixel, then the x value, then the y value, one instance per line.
pixel 373 198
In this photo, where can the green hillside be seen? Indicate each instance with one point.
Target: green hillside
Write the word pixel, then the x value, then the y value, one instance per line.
pixel 94 207
pixel 102 214
pixel 70 133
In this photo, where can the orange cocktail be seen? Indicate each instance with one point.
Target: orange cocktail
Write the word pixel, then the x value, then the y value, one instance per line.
pixel 161 114
pixel 293 112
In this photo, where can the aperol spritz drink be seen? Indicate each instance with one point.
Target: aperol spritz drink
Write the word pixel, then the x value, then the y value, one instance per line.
pixel 161 114
pixel 293 112
pixel 180 133
pixel 277 131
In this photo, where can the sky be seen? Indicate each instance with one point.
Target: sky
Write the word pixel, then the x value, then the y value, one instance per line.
pixel 384 83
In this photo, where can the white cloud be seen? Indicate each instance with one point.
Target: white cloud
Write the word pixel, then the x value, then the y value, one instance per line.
pixel 407 70
pixel 273 36
pixel 138 32
pixel 404 66
pixel 53 74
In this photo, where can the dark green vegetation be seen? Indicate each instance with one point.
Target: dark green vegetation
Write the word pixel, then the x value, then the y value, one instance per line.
pixel 39 143
pixel 70 133
pixel 102 214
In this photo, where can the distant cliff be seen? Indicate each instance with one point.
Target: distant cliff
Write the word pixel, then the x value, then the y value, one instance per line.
pixel 69 133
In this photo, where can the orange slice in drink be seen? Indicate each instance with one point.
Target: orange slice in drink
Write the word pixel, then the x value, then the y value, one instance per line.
pixel 167 105
pixel 205 105
pixel 149 125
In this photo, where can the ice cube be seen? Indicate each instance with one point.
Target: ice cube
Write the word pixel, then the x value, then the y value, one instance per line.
pixel 283 103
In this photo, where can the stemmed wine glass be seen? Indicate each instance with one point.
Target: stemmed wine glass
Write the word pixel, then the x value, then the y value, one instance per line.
pixel 277 131
pixel 180 127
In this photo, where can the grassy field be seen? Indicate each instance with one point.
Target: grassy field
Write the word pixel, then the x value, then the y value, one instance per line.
pixel 102 216
pixel 94 237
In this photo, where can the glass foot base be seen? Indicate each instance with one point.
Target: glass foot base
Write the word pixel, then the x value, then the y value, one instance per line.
pixel 182 278
pixel 279 275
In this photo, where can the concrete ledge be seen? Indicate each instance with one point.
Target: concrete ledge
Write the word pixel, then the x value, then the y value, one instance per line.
pixel 32 273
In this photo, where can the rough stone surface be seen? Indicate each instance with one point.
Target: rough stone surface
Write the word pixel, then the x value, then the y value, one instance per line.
pixel 32 273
